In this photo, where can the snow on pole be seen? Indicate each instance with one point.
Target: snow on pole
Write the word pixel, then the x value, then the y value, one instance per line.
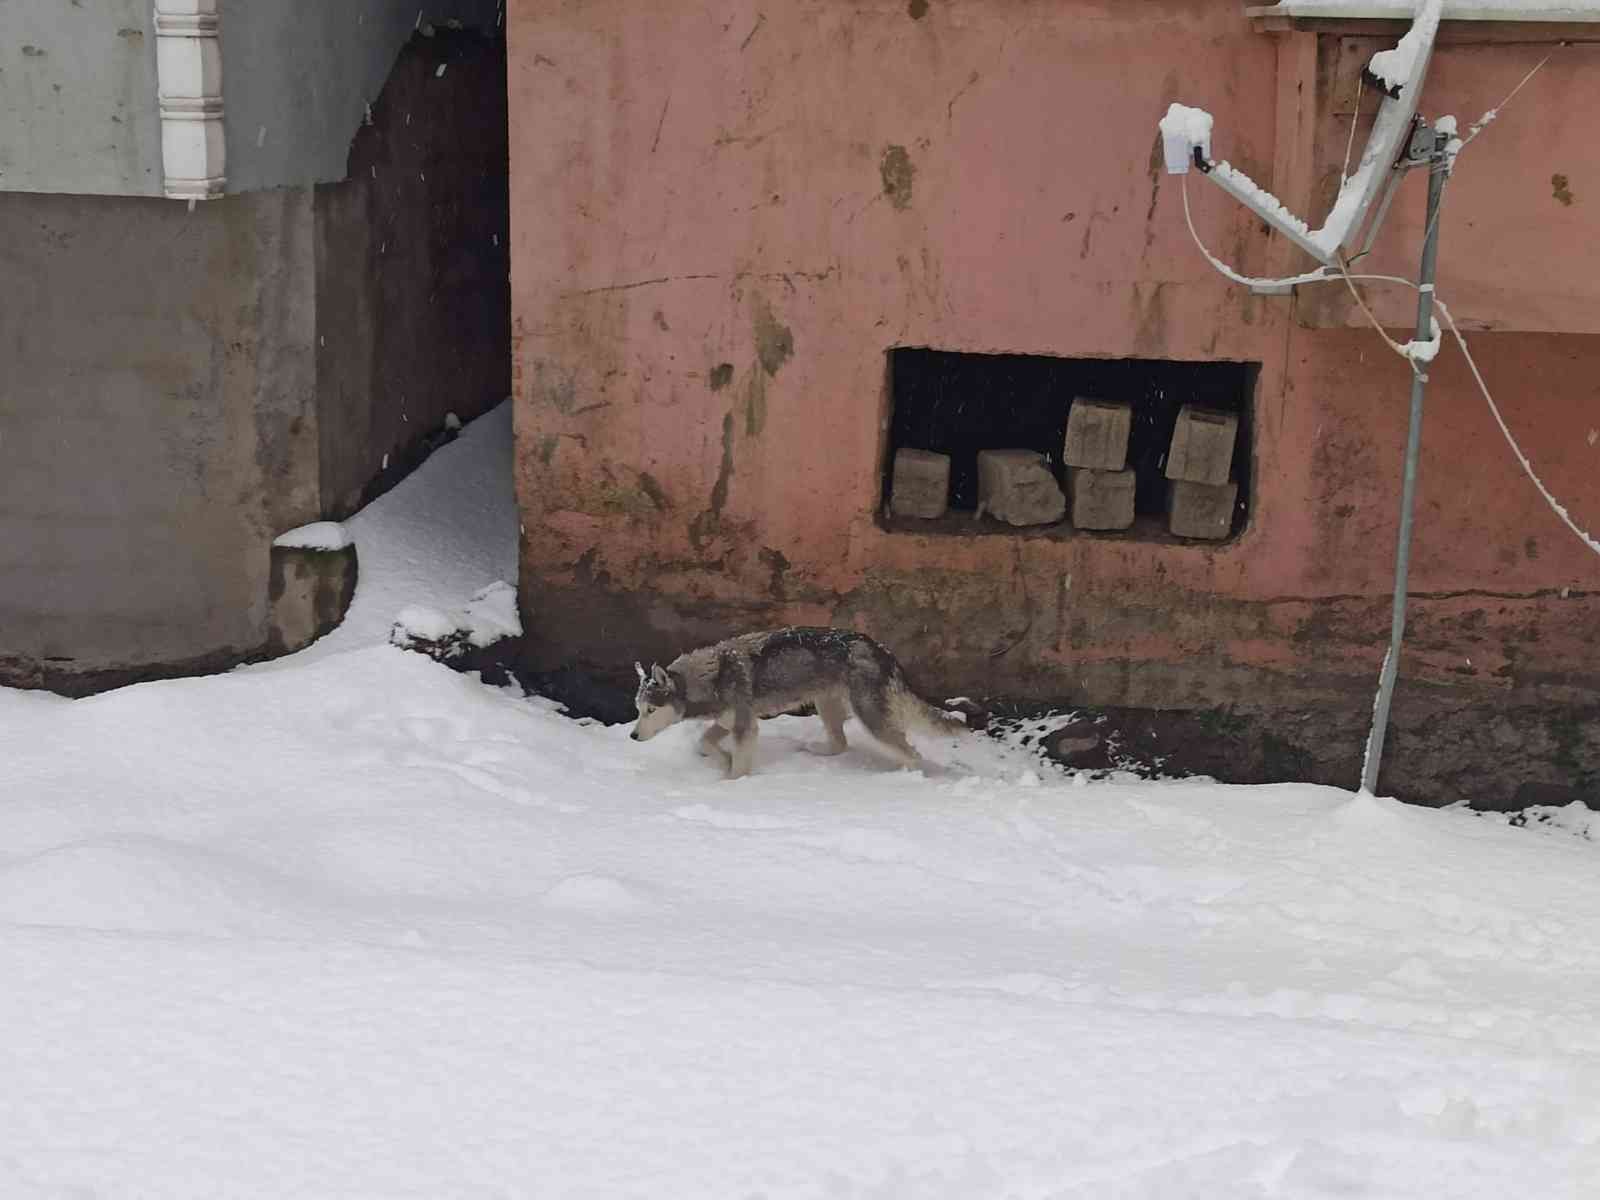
pixel 1400 71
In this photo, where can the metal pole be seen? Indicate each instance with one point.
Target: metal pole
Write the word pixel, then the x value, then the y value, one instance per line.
pixel 1437 173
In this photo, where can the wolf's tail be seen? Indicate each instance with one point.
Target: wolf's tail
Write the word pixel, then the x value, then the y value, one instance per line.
pixel 913 712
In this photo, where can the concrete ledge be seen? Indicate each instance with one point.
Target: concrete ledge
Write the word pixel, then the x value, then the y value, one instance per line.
pixel 65 678
pixel 309 592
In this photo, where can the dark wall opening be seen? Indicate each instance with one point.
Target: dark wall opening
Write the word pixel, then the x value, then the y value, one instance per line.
pixel 413 266
pixel 958 404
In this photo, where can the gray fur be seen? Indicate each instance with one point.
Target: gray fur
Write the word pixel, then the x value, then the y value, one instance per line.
pixel 737 682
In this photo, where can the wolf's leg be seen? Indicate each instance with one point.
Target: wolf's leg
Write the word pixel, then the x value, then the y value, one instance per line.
pixel 833 711
pixel 744 741
pixel 871 703
pixel 735 684
pixel 711 744
pixel 711 740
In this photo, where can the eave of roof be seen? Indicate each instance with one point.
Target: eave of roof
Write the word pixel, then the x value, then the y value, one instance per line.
pixel 1573 11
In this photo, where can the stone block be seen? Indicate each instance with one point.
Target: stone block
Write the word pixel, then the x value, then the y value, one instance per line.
pixel 309 591
pixel 1080 745
pixel 1202 445
pixel 1101 499
pixel 921 484
pixel 1016 486
pixel 1201 510
pixel 1097 434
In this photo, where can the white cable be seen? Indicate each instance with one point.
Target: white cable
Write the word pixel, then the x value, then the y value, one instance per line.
pixel 1402 351
pixel 1522 458
pixel 1326 274
pixel 1488 118
pixel 1556 506
pixel 1318 276
pixel 1322 276
pixel 1355 119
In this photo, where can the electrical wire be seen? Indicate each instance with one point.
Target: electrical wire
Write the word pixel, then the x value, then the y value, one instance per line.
pixel 1559 508
pixel 1317 276
pixel 1488 118
pixel 1355 119
pixel 1355 292
pixel 1328 275
pixel 1484 122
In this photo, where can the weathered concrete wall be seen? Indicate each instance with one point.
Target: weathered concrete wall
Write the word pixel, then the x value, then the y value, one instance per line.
pixel 413 271
pixel 298 76
pixel 79 109
pixel 722 222
pixel 177 387
pixel 78 98
pixel 157 427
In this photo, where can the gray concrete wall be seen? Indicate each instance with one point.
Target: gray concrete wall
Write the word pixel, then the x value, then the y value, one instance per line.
pixel 177 387
pixel 298 76
pixel 78 109
pixel 157 428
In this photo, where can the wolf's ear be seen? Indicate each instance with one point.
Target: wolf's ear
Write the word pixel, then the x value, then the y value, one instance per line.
pixel 659 675
pixel 639 668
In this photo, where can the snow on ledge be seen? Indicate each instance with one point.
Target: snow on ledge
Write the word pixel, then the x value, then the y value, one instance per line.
pixel 319 535
pixel 1454 10
pixel 489 616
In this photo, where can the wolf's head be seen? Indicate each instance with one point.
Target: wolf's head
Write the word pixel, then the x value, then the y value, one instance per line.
pixel 659 700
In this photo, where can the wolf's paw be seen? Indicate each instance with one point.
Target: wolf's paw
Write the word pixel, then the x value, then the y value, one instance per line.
pixel 711 742
pixel 824 749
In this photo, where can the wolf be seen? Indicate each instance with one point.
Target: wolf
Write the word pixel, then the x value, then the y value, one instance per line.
pixel 738 681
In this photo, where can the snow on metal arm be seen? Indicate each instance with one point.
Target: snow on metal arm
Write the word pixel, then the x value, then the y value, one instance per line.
pixel 1186 137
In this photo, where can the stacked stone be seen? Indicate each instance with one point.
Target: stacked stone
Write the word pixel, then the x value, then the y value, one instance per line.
pixel 1101 483
pixel 1014 486
pixel 1018 487
pixel 1202 494
pixel 921 484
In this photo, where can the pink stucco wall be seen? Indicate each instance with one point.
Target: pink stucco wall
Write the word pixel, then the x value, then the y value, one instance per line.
pixel 696 185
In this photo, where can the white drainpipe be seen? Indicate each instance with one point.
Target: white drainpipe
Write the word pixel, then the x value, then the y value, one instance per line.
pixel 189 80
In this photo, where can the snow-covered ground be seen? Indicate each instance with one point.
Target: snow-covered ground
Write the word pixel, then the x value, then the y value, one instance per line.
pixel 352 925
